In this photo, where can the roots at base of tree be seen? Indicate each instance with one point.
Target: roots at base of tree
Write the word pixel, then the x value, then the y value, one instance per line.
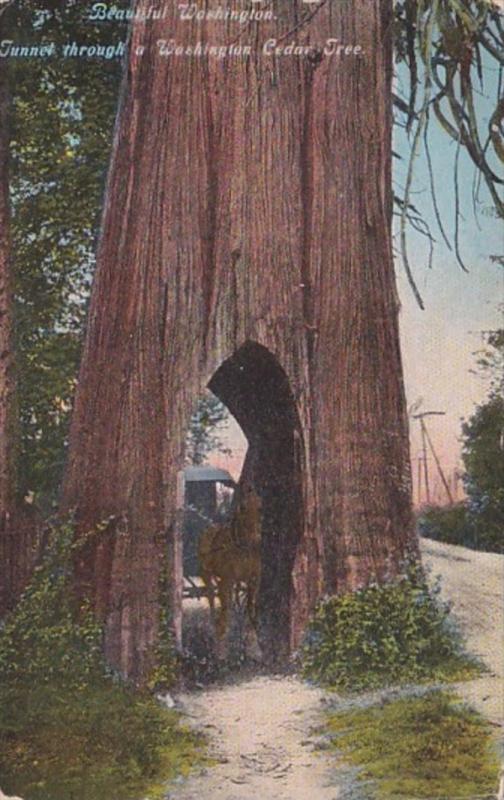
pixel 206 657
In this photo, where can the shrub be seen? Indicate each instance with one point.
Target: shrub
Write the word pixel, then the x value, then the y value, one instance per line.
pixel 382 635
pixel 50 636
pixel 476 523
pixel 450 524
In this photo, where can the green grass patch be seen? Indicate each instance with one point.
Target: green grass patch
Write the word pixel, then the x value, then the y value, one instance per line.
pixel 384 635
pixel 69 728
pixel 97 742
pixel 419 747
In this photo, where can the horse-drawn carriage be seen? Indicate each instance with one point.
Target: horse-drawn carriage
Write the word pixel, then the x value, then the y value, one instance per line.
pixel 222 543
pixel 208 494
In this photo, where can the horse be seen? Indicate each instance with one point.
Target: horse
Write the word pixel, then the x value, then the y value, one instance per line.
pixel 229 555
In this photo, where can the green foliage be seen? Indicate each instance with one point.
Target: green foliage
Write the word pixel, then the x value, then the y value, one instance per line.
pixel 448 49
pixel 483 451
pixel 50 636
pixel 99 742
pixel 61 126
pixel 424 747
pixel 478 522
pixel 383 635
pixel 483 455
pixel 165 673
pixel 68 727
pixel 491 359
pixel 449 524
pixel 203 436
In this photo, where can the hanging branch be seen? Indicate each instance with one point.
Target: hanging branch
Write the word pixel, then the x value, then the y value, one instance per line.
pixel 453 41
pixel 420 125
pixel 457 209
pixel 437 213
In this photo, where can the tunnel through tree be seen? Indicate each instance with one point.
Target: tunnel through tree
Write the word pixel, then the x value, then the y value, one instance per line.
pixel 256 390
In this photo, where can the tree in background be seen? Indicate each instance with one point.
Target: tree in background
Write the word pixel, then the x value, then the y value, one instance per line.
pixel 203 437
pixel 478 521
pixel 62 115
pixel 490 362
pixel 483 453
pixel 7 382
pixel 18 529
pixel 6 350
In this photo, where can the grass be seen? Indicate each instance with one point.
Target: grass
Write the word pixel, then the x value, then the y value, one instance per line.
pixel 97 742
pixel 429 746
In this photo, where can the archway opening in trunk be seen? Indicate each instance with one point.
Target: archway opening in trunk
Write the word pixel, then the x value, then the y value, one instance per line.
pixel 255 389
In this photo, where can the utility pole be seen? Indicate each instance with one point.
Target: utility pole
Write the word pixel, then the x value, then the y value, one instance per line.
pixel 419 480
pixel 426 440
pixel 424 451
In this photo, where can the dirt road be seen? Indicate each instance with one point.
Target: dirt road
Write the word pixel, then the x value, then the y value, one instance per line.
pixel 474 583
pixel 262 740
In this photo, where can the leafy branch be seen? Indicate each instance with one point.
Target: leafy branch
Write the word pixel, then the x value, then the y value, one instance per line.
pixel 448 46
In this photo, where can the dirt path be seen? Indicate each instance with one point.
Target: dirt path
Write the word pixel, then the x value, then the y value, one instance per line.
pixel 262 740
pixel 474 583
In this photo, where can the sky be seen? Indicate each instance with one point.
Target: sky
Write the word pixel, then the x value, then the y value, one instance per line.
pixel 440 342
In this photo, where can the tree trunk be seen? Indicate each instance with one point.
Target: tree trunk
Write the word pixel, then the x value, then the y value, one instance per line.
pixel 246 245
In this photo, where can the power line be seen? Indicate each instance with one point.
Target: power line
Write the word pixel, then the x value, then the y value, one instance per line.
pixel 428 443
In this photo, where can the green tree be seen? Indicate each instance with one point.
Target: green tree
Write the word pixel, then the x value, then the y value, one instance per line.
pixel 478 521
pixel 62 118
pixel 491 362
pixel 483 452
pixel 203 437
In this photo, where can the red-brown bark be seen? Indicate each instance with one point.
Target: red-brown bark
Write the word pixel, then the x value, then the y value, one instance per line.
pixel 247 216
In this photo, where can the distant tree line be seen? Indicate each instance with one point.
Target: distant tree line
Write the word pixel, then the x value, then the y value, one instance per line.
pixel 478 521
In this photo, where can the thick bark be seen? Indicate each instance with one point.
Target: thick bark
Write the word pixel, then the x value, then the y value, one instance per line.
pixel 246 243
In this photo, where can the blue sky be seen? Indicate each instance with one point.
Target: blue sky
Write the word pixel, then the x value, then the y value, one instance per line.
pixel 438 343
